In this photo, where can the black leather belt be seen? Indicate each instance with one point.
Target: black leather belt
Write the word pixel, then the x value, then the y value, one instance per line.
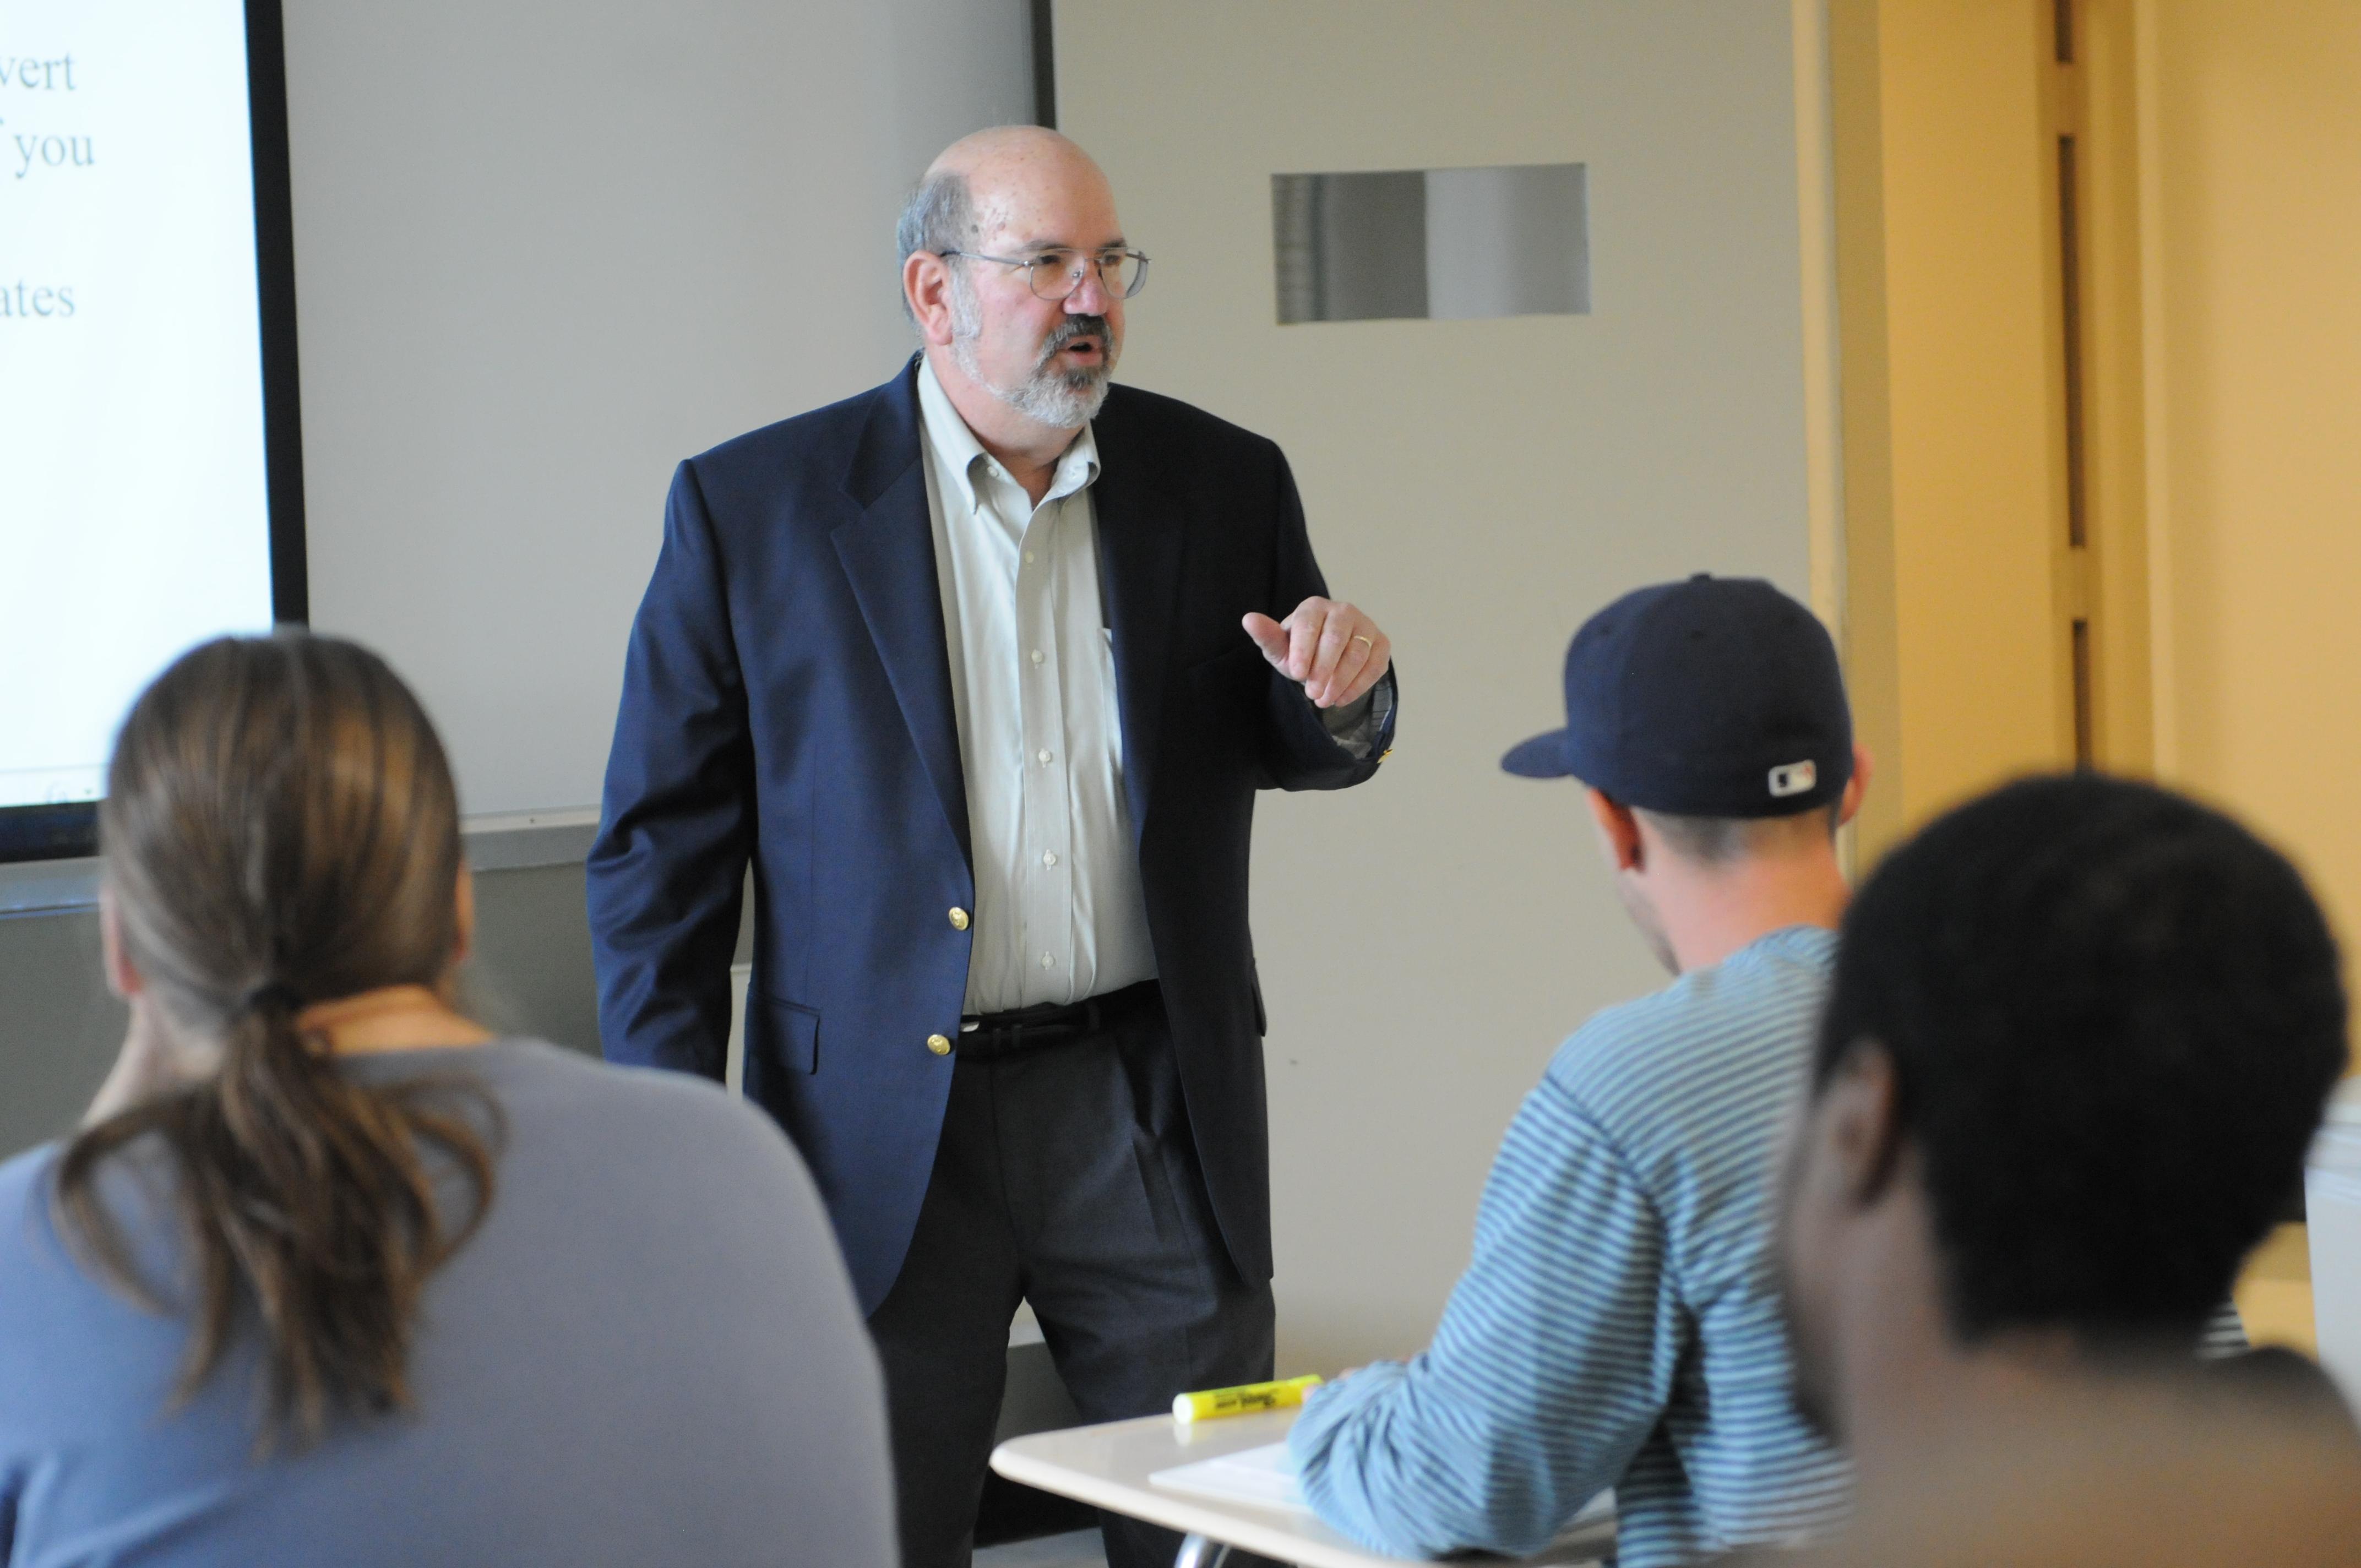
pixel 1053 1022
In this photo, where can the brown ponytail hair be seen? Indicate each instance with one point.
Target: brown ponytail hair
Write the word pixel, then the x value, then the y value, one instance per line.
pixel 280 828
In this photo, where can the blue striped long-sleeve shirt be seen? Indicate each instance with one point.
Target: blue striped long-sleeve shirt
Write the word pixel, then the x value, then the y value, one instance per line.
pixel 1619 1324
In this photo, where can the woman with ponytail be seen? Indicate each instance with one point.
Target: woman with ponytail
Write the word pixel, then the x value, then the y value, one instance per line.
pixel 331 1274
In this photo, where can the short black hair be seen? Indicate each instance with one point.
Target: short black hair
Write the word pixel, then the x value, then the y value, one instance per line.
pixel 1719 841
pixel 2114 1016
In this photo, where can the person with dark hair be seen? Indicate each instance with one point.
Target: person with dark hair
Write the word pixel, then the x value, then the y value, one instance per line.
pixel 1618 1325
pixel 331 1274
pixel 2080 1033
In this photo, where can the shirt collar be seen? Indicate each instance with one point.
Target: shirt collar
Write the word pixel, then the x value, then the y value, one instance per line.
pixel 958 452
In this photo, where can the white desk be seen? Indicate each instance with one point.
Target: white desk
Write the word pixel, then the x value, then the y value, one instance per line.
pixel 1108 1466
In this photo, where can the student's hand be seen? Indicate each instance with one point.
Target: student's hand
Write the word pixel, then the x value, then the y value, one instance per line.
pixel 1329 648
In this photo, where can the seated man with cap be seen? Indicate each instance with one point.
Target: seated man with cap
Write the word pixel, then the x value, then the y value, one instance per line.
pixel 1619 1325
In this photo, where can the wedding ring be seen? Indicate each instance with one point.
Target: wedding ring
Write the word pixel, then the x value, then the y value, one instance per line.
pixel 1357 638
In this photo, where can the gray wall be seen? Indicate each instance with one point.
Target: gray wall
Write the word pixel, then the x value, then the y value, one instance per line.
pixel 58 1027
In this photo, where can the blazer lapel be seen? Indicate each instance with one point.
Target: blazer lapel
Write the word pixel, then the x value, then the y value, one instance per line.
pixel 889 556
pixel 1142 532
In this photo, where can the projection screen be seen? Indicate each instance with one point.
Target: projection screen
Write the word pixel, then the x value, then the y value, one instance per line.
pixel 150 468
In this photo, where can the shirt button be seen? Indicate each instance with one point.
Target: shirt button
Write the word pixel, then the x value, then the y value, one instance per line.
pixel 1028 555
pixel 1049 858
pixel 959 919
pixel 1045 962
pixel 1036 655
pixel 940 1045
pixel 1042 757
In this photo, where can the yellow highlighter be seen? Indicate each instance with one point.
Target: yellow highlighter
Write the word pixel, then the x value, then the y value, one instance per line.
pixel 1244 1399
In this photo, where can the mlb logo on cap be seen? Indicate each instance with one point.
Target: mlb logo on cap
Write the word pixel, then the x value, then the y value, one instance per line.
pixel 1794 778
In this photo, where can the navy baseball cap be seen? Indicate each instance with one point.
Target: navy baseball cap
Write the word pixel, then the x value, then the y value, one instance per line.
pixel 1717 696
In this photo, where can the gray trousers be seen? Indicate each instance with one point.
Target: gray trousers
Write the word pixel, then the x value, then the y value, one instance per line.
pixel 1066 1176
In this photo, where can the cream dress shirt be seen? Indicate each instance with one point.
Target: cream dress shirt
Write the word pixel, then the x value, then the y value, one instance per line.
pixel 1058 912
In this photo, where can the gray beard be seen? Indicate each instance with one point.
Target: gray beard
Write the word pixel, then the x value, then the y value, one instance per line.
pixel 1064 402
pixel 1061 402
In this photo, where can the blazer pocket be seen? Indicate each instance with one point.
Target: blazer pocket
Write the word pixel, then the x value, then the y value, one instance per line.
pixel 1245 663
pixel 1231 684
pixel 796 1028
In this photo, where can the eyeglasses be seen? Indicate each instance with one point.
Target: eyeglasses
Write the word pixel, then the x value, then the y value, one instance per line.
pixel 1055 274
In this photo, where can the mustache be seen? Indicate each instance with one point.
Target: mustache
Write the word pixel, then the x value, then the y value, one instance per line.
pixel 1071 328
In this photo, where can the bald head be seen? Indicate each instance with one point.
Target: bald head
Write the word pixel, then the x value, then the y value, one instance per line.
pixel 996 183
pixel 1014 151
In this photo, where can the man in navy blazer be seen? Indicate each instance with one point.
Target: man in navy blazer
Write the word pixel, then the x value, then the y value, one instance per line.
pixel 979 671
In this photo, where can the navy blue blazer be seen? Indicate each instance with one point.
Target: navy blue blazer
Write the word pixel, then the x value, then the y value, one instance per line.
pixel 787 701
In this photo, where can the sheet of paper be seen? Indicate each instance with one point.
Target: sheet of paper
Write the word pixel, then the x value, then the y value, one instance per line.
pixel 1264 1476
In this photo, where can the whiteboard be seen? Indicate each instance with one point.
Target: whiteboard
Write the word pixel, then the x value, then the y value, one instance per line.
pixel 544 253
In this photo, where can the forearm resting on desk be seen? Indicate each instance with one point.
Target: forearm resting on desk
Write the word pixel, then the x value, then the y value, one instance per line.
pixel 1368 1465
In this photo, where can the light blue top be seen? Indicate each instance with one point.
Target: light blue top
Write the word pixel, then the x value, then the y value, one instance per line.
pixel 649 1353
pixel 1619 1324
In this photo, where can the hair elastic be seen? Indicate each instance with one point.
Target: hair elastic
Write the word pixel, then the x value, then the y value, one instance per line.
pixel 273 996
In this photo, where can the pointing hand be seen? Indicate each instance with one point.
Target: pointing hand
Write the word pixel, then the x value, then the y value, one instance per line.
pixel 1332 650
